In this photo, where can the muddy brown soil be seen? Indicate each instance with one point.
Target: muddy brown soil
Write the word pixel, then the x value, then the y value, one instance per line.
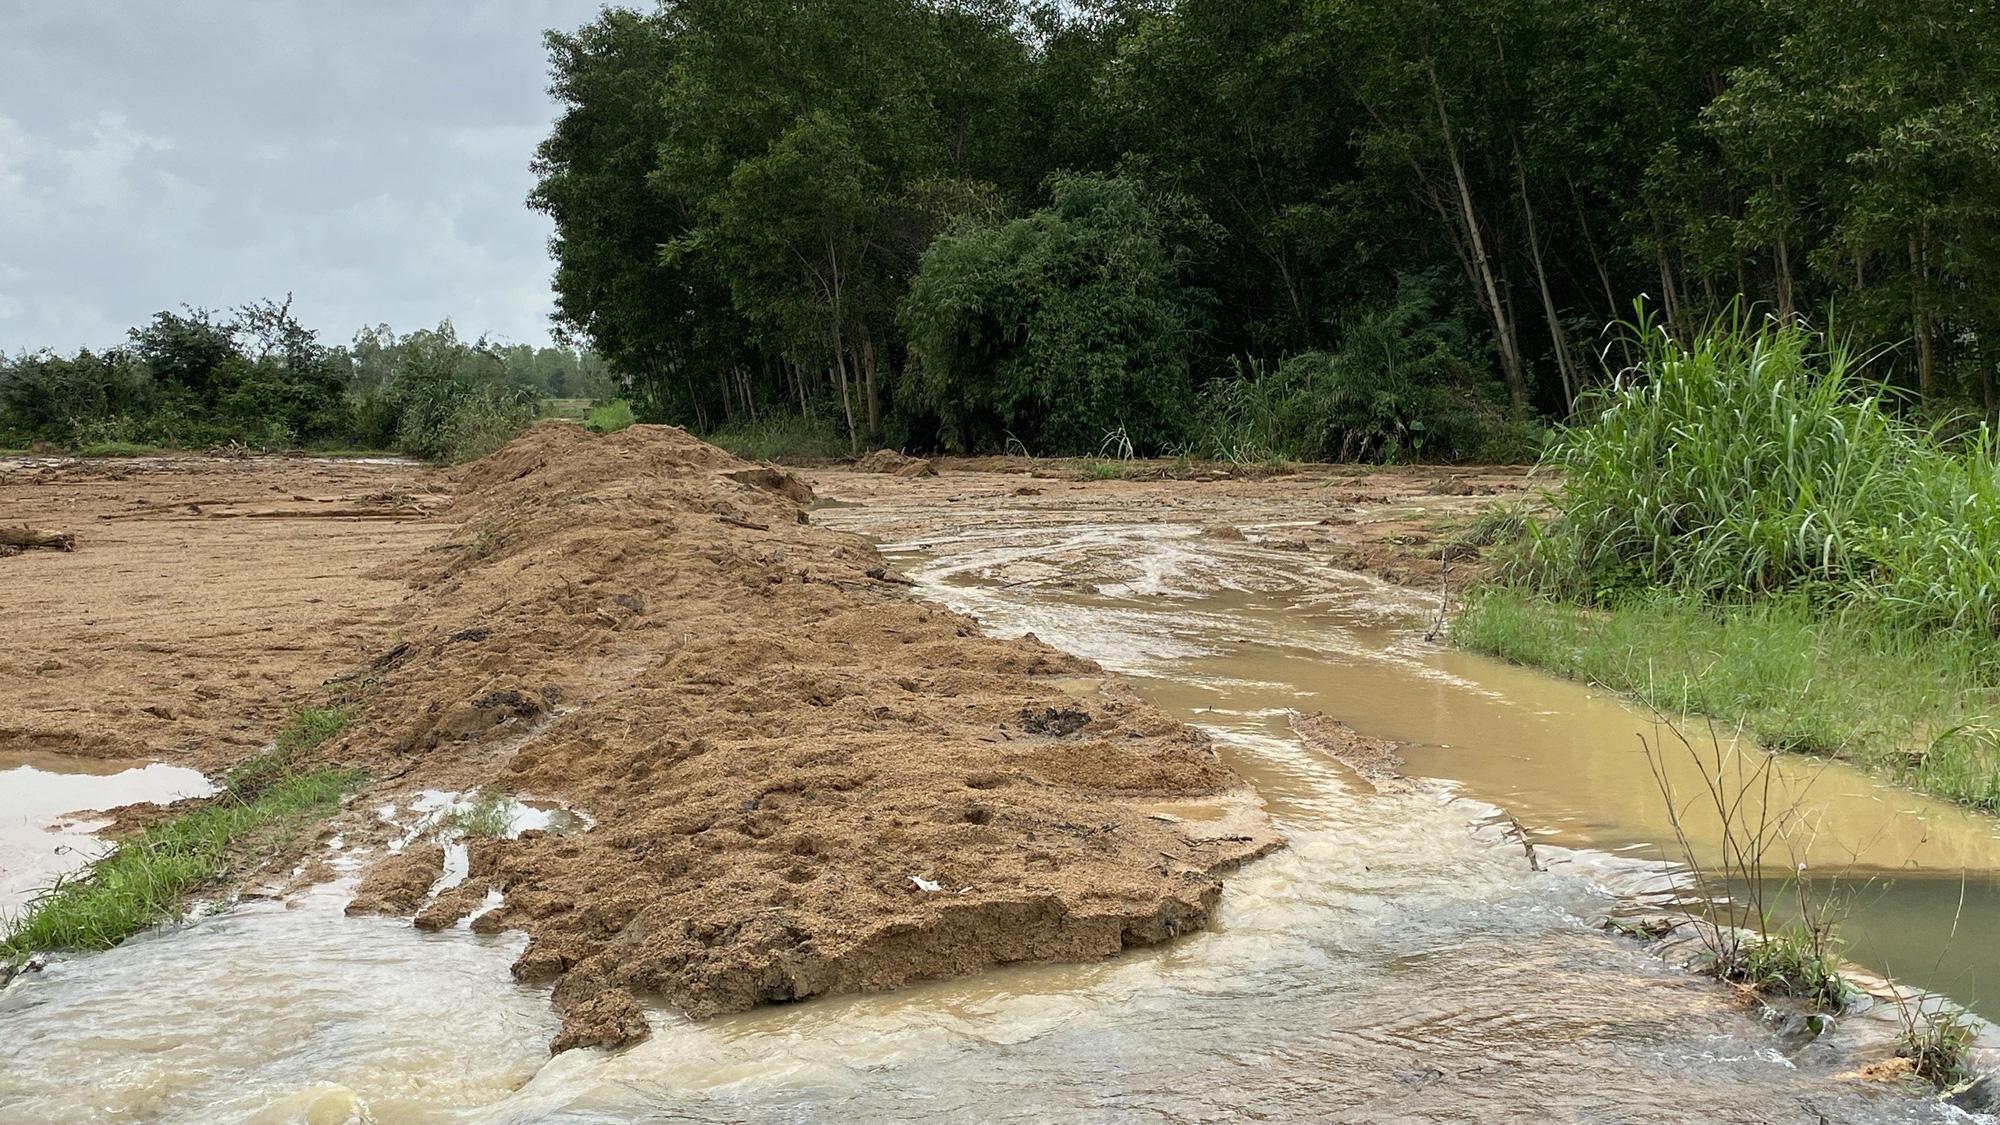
pixel 802 780
pixel 200 599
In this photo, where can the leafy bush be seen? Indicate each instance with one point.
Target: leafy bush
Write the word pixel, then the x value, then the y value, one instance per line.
pixel 610 418
pixel 481 422
pixel 1404 384
pixel 445 412
pixel 1056 327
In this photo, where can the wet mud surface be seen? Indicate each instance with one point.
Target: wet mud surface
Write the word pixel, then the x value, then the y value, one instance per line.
pixel 201 599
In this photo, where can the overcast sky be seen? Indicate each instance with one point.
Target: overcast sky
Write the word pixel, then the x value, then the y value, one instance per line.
pixel 368 156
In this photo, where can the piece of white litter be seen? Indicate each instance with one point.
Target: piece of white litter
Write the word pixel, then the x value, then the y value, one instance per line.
pixel 964 890
pixel 924 884
pixel 337 843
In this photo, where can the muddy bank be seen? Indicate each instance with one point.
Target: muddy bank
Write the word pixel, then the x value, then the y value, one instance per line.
pixel 803 780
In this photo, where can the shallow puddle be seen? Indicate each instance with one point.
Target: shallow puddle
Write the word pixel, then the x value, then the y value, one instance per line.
pixel 40 839
pixel 273 1013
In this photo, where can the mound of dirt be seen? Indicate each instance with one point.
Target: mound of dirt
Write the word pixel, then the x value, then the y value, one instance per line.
pixel 895 464
pixel 1375 759
pixel 802 780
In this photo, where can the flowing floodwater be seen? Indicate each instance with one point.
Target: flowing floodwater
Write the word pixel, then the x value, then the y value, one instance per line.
pixel 1399 961
pixel 1231 636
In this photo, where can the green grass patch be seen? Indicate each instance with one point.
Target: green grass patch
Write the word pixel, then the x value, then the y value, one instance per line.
pixel 117 449
pixel 786 439
pixel 610 418
pixel 1796 960
pixel 487 816
pixel 147 879
pixel 1920 707
pixel 1096 469
pixel 304 731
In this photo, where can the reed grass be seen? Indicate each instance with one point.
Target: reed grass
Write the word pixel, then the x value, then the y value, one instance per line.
pixel 1763 460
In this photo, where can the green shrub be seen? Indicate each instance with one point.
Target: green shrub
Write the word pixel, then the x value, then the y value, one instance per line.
pixel 610 418
pixel 481 422
pixel 1056 326
pixel 785 438
pixel 1405 384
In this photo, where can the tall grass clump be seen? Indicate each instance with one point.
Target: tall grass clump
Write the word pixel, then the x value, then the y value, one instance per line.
pixel 1747 528
pixel 1763 460
pixel 147 879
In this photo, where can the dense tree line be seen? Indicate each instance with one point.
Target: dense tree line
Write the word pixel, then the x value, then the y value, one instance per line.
pixel 1318 227
pixel 259 378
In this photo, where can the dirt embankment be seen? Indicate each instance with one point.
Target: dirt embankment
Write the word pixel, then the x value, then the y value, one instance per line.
pixel 803 780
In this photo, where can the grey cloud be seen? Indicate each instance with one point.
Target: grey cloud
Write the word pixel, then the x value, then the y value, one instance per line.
pixel 369 157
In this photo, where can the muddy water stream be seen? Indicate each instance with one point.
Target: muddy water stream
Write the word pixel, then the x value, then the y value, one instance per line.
pixel 1231 636
pixel 1398 962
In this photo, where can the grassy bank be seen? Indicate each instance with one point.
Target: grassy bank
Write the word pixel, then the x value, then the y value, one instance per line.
pixel 266 803
pixel 1920 708
pixel 1750 528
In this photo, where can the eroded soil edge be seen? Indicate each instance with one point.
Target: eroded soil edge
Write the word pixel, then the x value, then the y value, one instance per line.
pixel 782 750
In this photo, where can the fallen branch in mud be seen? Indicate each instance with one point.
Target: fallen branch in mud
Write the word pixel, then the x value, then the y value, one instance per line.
pixel 14 540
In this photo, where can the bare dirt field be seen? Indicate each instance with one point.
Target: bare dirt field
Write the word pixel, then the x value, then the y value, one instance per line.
pixel 802 779
pixel 202 598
